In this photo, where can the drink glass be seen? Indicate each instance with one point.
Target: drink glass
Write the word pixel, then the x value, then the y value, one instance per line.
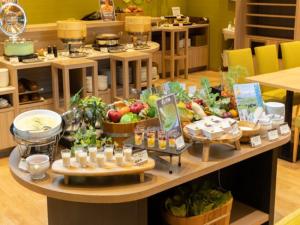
pixel 100 158
pixel 127 151
pixel 92 153
pixel 78 150
pixel 139 135
pixel 119 156
pixel 109 152
pixel 66 157
pixel 172 139
pixel 83 158
pixel 162 140
pixel 151 133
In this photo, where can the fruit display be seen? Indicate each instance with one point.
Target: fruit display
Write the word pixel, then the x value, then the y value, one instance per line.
pixel 130 111
pixel 130 9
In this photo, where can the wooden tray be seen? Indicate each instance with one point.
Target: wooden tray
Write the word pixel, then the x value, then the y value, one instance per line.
pixel 225 139
pixel 110 169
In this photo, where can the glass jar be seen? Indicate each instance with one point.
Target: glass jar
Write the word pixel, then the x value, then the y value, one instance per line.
pixel 265 126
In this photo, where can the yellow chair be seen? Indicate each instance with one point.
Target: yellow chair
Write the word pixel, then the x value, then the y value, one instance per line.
pixel 292 219
pixel 243 58
pixel 290 54
pixel 267 62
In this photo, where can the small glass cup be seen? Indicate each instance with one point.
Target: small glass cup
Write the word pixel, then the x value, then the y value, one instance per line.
pixel 78 150
pixel 139 134
pixel 100 158
pixel 162 140
pixel 151 134
pixel 92 153
pixel 172 139
pixel 127 151
pixel 109 152
pixel 66 157
pixel 83 158
pixel 119 156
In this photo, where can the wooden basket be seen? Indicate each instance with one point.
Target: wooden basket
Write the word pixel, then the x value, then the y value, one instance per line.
pixel 217 216
pixel 122 131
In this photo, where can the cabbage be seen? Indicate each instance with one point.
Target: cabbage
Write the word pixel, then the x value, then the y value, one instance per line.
pixel 130 118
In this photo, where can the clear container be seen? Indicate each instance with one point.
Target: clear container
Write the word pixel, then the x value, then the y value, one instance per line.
pixel 151 137
pixel 162 140
pixel 277 120
pixel 139 134
pixel 265 126
pixel 66 157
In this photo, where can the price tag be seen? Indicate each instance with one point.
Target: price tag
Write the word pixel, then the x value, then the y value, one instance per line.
pixel 255 141
pixel 14 60
pixel 180 142
pixel 104 50
pixel 235 128
pixel 140 157
pixel 273 135
pixel 284 129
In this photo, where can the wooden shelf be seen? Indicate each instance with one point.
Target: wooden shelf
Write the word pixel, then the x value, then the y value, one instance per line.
pixel 269 27
pixel 176 57
pixel 46 101
pixel 271 4
pixel 7 109
pixel 270 15
pixel 7 90
pixel 245 215
pixel 269 38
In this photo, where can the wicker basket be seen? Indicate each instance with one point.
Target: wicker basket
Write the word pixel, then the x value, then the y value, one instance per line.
pixel 122 131
pixel 217 216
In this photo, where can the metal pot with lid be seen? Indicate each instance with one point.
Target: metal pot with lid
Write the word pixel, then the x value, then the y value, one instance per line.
pixel 107 40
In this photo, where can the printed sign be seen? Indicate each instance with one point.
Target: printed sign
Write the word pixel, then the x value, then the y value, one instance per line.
pixel 273 135
pixel 107 10
pixel 255 141
pixel 169 118
pixel 140 158
pixel 284 129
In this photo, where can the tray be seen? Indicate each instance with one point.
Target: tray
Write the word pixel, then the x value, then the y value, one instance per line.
pixel 225 139
pixel 167 151
pixel 110 169
pixel 31 102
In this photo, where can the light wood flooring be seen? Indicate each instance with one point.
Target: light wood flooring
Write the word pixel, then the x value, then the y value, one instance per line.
pixel 19 206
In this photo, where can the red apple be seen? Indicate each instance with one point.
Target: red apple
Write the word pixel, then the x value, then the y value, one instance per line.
pixel 188 105
pixel 114 116
pixel 136 107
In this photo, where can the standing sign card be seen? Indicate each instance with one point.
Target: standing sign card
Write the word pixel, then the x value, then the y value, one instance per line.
pixel 249 101
pixel 169 118
pixel 107 10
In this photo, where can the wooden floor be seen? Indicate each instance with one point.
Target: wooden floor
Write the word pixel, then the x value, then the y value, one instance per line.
pixel 19 206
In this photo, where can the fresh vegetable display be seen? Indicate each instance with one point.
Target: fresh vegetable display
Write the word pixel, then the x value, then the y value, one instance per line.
pixel 193 200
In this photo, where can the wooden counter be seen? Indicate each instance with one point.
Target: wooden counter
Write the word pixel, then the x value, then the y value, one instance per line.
pixel 114 192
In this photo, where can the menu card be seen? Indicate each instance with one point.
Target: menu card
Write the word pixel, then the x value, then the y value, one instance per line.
pixel 169 118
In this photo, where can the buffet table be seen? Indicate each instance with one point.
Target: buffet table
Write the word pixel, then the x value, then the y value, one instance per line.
pixel 288 80
pixel 249 173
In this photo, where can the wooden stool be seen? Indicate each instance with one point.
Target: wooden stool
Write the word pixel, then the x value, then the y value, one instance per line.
pixel 175 55
pixel 125 58
pixel 66 66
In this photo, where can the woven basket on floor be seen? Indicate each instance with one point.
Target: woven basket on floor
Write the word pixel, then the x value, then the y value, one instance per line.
pixel 217 216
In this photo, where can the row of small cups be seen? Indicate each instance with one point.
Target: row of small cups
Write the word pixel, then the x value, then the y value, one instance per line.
pixel 98 157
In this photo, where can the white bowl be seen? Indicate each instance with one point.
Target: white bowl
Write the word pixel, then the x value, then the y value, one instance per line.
pixel 27 134
pixel 275 108
pixel 37 166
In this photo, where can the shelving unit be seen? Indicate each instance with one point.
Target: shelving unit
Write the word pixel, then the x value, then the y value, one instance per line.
pixel 263 22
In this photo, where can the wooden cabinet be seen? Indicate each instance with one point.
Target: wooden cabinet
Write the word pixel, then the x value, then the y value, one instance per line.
pixel 6 118
pixel 269 21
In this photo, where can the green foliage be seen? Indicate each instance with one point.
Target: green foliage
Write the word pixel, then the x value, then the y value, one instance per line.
pixel 92 109
pixel 88 137
pixel 193 200
pixel 181 94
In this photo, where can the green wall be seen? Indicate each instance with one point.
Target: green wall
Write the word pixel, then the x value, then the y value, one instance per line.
pixel 45 11
pixel 219 12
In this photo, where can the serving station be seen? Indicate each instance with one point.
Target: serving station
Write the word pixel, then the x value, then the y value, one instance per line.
pixel 89 200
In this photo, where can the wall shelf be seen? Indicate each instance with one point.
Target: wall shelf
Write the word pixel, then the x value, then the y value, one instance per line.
pixel 7 90
pixel 271 15
pixel 269 27
pixel 271 4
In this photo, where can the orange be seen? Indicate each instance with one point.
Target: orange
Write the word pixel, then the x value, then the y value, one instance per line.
pixel 234 113
pixel 124 110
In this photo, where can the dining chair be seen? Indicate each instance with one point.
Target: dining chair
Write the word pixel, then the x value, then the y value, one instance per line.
pixel 291 219
pixel 267 62
pixel 243 58
pixel 290 54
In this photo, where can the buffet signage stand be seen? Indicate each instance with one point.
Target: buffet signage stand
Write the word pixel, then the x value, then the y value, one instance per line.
pixel 169 118
pixel 107 10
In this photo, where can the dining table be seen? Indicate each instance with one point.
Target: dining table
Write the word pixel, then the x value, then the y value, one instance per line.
pixel 288 80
